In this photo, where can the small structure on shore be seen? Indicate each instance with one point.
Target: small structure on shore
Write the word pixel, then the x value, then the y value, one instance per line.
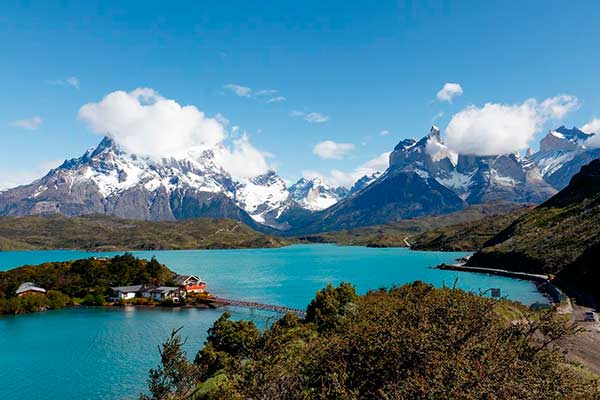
pixel 162 293
pixel 28 288
pixel 158 293
pixel 125 292
pixel 191 283
pixel 186 284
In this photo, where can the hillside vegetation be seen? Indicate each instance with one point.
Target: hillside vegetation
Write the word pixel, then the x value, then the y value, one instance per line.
pixel 103 233
pixel 559 237
pixel 466 236
pixel 395 233
pixel 85 281
pixel 409 342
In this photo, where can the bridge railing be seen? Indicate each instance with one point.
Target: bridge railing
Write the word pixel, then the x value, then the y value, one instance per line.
pixel 260 306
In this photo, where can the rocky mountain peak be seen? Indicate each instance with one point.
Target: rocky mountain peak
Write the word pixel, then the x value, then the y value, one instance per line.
pixel 364 181
pixel 313 194
pixel 563 139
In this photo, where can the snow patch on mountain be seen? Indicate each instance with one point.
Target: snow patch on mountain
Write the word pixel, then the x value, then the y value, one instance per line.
pixel 313 194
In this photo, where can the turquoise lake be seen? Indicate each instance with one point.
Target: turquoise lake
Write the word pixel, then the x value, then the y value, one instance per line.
pixel 105 353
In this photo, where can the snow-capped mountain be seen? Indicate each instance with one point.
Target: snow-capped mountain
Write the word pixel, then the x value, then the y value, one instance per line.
pixel 562 153
pixel 108 180
pixel 313 194
pixel 408 188
pixel 476 179
pixel 364 181
pixel 423 177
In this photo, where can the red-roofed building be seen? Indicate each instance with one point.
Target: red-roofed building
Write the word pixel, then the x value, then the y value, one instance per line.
pixel 191 283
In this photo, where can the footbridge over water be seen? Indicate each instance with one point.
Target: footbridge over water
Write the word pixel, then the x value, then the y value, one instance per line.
pixel 259 306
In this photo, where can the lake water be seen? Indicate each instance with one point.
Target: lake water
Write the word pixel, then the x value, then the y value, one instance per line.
pixel 105 353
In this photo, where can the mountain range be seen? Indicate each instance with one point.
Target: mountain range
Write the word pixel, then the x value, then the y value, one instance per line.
pixel 424 177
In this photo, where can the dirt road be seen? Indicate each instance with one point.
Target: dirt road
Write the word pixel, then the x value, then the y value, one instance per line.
pixel 584 347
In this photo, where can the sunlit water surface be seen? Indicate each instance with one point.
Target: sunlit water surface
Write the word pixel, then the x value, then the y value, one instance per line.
pixel 105 353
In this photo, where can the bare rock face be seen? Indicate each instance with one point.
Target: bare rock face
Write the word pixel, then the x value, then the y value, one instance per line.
pixel 507 177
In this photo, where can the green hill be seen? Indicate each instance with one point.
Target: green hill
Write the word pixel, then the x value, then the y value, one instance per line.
pixel 559 237
pixel 394 234
pixel 466 236
pixel 102 233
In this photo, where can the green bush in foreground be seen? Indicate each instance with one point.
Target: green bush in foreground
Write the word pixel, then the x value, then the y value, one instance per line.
pixel 409 342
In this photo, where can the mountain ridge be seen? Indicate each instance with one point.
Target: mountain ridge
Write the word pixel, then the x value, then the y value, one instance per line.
pixel 423 177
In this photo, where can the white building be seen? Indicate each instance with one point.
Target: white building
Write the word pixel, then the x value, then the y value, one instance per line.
pixel 162 293
pixel 125 292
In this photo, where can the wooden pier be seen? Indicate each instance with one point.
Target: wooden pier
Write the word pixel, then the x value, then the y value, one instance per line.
pixel 259 306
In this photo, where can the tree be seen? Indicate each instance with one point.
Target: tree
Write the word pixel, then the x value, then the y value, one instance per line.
pixel 228 343
pixel 330 305
pixel 175 377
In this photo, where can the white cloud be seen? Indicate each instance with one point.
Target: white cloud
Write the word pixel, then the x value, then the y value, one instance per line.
pixel 28 123
pixel 144 122
pixel 13 178
pixel 437 116
pixel 500 128
pixel 384 132
pixel 313 117
pixel 449 91
pixel 329 149
pixel 592 127
pixel 277 99
pixel 436 150
pixel 242 160
pixel 266 92
pixel 347 179
pixel 316 117
pixel 72 81
pixel 558 106
pixel 222 119
pixel 238 90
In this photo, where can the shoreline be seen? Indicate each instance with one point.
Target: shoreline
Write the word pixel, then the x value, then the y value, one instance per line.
pixel 542 282
pixel 211 305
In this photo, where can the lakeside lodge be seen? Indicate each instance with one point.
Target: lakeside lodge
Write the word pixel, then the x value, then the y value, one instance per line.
pixel 185 284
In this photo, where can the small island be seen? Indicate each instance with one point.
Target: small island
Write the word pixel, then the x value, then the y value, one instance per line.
pixel 98 281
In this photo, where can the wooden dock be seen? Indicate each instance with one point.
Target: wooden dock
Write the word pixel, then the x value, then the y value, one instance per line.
pixel 259 306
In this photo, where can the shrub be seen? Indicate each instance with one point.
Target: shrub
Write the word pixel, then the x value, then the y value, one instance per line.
pixel 409 342
pixel 57 299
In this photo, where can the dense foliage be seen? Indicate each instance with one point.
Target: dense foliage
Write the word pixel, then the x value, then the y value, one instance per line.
pixel 86 279
pixel 409 342
pixel 99 232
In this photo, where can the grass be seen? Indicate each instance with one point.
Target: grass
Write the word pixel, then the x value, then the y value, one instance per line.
pixel 464 230
pixel 103 233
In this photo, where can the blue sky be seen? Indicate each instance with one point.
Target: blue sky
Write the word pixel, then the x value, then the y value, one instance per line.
pixel 366 68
